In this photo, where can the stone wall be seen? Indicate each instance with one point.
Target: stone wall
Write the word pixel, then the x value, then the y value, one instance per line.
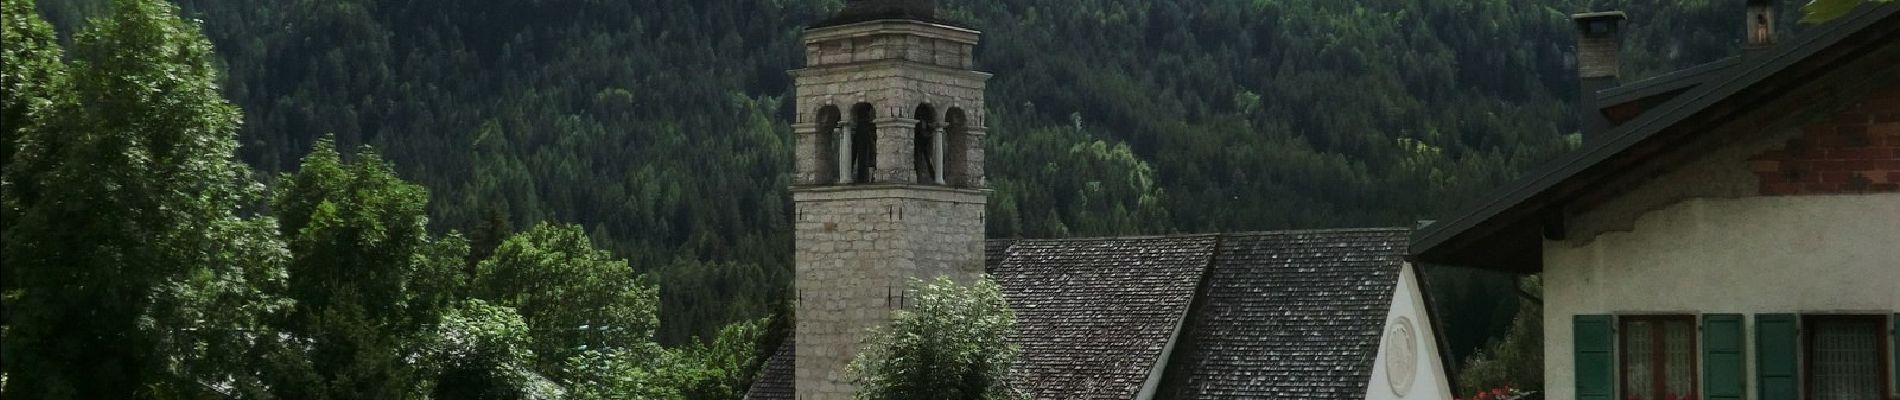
pixel 858 245
pixel 857 249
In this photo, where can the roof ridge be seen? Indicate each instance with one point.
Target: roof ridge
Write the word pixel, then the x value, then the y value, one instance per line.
pixel 1319 230
pixel 1207 234
pixel 1668 81
pixel 1099 238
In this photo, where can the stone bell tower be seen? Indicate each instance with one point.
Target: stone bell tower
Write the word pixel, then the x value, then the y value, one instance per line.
pixel 889 183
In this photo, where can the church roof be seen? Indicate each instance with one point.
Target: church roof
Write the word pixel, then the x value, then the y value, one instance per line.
pixel 775 378
pixel 1289 315
pixel 1093 316
pixel 1282 314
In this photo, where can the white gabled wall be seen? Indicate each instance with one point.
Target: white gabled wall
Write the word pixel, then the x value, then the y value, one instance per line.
pixel 1431 381
pixel 1755 255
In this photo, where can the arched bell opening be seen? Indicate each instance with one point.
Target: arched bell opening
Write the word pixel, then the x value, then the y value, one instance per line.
pixel 825 170
pixel 927 146
pixel 862 144
pixel 956 141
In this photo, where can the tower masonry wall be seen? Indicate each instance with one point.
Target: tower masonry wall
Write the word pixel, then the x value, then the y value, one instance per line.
pixel 857 248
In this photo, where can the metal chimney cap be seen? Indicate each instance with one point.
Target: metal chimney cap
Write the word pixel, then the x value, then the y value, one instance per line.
pixel 1599 15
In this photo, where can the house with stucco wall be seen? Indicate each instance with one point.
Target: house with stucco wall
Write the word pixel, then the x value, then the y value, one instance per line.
pixel 1728 231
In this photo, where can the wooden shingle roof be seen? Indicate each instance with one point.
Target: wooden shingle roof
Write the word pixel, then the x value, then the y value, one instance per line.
pixel 1093 315
pixel 1284 314
pixel 1289 315
pixel 775 378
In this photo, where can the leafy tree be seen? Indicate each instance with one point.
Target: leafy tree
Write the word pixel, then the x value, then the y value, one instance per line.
pixel 33 82
pixel 483 351
pixel 1040 194
pixel 644 372
pixel 1821 11
pixel 1515 360
pixel 951 344
pixel 572 295
pixel 724 367
pixel 136 271
pixel 367 276
pixel 33 78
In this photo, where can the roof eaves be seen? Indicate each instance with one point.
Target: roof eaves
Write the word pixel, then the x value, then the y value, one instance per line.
pixel 1680 79
pixel 1438 326
pixel 1178 343
pixel 1729 81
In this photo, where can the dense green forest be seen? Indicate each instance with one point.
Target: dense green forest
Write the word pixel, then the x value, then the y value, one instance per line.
pixel 661 128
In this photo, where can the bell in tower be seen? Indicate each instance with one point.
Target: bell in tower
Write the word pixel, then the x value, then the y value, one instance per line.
pixel 889 184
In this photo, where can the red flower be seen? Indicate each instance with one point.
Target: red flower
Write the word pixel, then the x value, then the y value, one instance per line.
pixel 1499 392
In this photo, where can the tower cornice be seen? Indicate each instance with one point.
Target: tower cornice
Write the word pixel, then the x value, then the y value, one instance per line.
pixel 888 63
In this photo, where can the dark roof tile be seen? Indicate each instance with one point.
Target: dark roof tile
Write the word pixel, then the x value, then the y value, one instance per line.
pixel 1094 314
pixel 1285 315
pixel 1290 315
pixel 775 378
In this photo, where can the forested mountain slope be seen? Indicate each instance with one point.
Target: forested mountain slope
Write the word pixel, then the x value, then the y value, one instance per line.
pixel 661 126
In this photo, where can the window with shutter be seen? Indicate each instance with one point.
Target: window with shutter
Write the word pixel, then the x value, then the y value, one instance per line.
pixel 1723 375
pixel 1659 361
pixel 1845 357
pixel 1592 340
pixel 1776 361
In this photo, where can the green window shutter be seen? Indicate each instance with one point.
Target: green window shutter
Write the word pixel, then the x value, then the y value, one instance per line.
pixel 1777 365
pixel 1723 375
pixel 1595 357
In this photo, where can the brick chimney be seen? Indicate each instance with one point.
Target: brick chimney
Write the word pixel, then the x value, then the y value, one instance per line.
pixel 1761 25
pixel 1599 38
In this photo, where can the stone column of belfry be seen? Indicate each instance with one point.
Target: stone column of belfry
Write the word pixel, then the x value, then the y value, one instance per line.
pixel 937 143
pixel 858 244
pixel 804 136
pixel 896 162
pixel 842 135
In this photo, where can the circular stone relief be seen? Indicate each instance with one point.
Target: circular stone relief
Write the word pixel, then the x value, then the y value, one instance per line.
pixel 1401 355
